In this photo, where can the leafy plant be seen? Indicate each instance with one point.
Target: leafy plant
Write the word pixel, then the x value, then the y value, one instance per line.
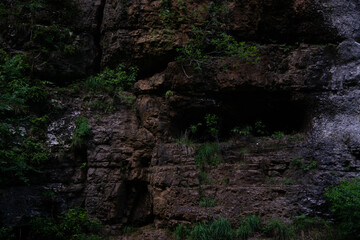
pixel 278 135
pixel 344 199
pixel 82 132
pixel 169 93
pixel 209 40
pixel 299 162
pixel 114 82
pixel 6 233
pixel 75 224
pixel 52 38
pixel 211 123
pixel 259 128
pixel 242 131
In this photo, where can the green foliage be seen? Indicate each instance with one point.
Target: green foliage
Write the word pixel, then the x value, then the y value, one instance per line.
pixel 242 131
pixel 244 231
pixel 279 230
pixel 127 230
pixel 114 82
pixel 19 152
pixel 18 90
pixel 169 93
pixel 208 154
pixel 52 38
pixel 315 228
pixel 209 40
pixel 299 162
pixel 184 140
pixel 206 201
pixel 181 232
pixel 19 159
pixel 278 135
pixel 194 128
pixel 211 126
pixel 82 132
pixel 254 222
pixel 204 178
pixel 259 128
pixel 344 199
pixel 211 123
pixel 75 224
pixel 219 229
pixel 6 233
pixel 249 227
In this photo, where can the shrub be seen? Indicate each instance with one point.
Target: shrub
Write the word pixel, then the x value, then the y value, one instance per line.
pixel 6 233
pixel 75 224
pixel 112 80
pixel 344 199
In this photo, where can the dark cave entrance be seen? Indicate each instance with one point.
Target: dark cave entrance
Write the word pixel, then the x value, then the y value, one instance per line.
pixel 277 111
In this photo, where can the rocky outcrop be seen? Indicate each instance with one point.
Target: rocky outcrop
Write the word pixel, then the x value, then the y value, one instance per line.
pixel 134 172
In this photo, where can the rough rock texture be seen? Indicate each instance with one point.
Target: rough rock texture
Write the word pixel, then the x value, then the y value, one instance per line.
pixel 136 173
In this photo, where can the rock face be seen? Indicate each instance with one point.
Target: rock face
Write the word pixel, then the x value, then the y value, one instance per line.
pixel 133 171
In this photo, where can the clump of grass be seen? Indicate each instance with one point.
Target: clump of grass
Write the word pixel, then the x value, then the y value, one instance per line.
pixel 208 154
pixel 279 230
pixel 215 230
pixel 207 202
pixel 181 232
pixel 204 178
pixel 249 227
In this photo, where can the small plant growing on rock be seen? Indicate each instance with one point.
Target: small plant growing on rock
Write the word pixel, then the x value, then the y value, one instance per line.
pixel 206 201
pixel 242 131
pixel 208 154
pixel 82 132
pixel 278 135
pixel 169 93
pixel 114 82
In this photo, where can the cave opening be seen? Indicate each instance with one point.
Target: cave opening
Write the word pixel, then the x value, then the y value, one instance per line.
pixel 276 111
